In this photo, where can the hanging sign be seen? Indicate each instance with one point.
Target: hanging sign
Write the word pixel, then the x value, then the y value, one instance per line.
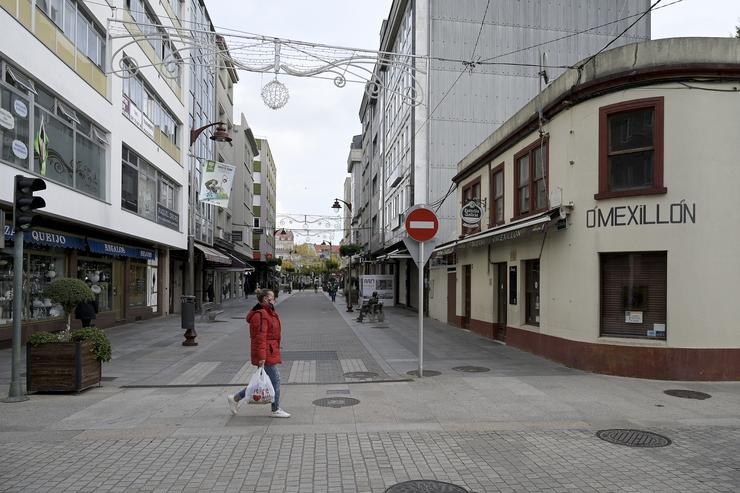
pixel 471 214
pixel 216 183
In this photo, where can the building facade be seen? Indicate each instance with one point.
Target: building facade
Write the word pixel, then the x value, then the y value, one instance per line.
pixel 600 193
pixel 411 151
pixel 110 149
pixel 264 210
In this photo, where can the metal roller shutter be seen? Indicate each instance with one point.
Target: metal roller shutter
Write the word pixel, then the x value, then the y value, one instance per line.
pixel 633 281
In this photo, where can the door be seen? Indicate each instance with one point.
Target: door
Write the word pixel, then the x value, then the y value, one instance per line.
pixel 119 289
pixel 468 281
pixel 451 297
pixel 501 304
pixel 532 308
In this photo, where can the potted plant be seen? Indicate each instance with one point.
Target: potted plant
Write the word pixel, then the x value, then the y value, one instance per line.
pixel 69 360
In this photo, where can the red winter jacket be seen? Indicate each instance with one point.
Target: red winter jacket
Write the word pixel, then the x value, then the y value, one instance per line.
pixel 264 332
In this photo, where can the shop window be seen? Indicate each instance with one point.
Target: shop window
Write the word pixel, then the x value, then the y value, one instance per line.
pixel 631 148
pixel 497 196
pixel 633 294
pixel 14 142
pixel 98 274
pixel 532 301
pixel 471 191
pixel 38 271
pixel 530 176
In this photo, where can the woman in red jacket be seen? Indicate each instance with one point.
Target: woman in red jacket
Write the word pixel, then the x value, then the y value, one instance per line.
pixel 264 332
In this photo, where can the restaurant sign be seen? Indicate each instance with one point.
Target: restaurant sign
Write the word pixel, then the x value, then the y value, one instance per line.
pixel 471 214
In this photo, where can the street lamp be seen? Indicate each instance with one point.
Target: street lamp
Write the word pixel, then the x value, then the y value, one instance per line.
pixel 336 206
pixel 187 309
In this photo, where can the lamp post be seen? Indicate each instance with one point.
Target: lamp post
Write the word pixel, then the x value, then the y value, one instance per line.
pixel 336 206
pixel 187 310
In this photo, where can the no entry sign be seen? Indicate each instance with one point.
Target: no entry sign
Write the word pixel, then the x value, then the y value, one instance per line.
pixel 422 224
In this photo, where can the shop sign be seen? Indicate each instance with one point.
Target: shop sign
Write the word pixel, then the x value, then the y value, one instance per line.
pixel 638 215
pixel 20 108
pixel 115 249
pixel 47 238
pixel 471 214
pixel 20 149
pixel 632 317
pixel 167 217
pixel 6 119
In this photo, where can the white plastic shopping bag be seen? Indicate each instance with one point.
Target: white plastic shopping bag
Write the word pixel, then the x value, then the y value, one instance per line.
pixel 260 390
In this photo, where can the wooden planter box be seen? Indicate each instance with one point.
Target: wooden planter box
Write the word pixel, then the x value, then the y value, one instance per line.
pixel 61 367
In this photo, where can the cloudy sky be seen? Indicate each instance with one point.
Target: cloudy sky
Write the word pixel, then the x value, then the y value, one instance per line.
pixel 310 136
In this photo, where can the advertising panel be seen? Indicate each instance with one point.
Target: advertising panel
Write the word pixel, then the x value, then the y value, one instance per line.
pixel 383 284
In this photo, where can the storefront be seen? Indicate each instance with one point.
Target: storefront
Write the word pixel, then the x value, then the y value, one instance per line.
pixel 124 279
pixel 603 243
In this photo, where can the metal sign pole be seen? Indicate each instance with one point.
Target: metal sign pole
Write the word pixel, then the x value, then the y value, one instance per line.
pixel 420 266
pixel 15 392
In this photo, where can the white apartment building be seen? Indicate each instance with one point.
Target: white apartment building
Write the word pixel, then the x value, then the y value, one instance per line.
pixel 116 175
pixel 410 151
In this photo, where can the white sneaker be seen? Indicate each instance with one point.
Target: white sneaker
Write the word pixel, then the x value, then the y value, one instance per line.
pixel 233 404
pixel 280 414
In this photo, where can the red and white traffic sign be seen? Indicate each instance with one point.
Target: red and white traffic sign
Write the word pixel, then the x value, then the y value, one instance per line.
pixel 422 224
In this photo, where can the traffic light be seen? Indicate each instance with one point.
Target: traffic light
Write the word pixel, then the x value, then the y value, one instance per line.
pixel 25 203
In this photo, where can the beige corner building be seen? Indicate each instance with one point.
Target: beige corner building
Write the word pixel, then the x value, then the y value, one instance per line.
pixel 607 237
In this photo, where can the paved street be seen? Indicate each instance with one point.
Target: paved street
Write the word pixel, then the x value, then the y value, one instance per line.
pixel 160 421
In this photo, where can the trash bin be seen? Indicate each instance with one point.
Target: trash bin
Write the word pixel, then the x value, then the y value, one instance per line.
pixel 187 306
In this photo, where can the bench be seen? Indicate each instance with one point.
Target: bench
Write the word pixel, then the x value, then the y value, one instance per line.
pixel 209 311
pixel 374 312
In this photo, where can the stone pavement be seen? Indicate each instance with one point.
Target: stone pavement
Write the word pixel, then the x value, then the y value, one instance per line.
pixel 160 421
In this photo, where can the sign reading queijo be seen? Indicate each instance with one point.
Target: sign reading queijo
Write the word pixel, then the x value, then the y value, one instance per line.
pixel 471 213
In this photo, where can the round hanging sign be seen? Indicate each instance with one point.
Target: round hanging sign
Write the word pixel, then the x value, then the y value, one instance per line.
pixel 471 213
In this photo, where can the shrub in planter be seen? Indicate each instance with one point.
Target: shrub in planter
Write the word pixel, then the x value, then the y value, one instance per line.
pixel 68 292
pixel 67 360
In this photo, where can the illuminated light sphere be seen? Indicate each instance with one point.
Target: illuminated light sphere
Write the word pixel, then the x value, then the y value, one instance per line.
pixel 275 94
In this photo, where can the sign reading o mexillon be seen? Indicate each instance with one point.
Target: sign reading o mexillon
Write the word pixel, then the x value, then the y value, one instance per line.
pixel 471 213
pixel 626 215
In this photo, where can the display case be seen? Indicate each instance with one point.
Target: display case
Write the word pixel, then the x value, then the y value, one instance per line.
pixel 98 274
pixel 39 270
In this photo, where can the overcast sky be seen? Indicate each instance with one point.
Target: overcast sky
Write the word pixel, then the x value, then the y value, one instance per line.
pixel 310 136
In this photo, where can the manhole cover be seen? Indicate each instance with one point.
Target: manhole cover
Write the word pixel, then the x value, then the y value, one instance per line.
pixel 471 369
pixel 336 402
pixel 687 394
pixel 425 486
pixel 425 373
pixel 361 374
pixel 634 438
pixel 337 391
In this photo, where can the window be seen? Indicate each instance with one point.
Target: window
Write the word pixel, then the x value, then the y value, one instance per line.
pixel 137 92
pixel 256 222
pixel 148 192
pixel 532 301
pixel 78 26
pixel 11 150
pixel 497 196
pixel 631 148
pixel 530 172
pixel 471 191
pixel 633 294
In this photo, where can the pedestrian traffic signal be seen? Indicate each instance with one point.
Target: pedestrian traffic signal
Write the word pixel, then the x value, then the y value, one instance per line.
pixel 25 203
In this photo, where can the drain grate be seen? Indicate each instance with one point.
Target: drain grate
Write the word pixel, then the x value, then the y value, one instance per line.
pixel 425 486
pixel 337 391
pixel 471 369
pixel 336 402
pixel 380 326
pixel 687 394
pixel 634 438
pixel 425 373
pixel 361 374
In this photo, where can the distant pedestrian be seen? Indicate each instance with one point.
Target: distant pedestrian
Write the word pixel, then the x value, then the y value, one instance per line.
pixel 333 292
pixel 265 336
pixel 210 293
pixel 85 311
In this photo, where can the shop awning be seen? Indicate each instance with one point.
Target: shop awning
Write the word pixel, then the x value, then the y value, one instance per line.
pixel 108 248
pixel 47 238
pixel 511 231
pixel 236 264
pixel 213 255
pixel 398 253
